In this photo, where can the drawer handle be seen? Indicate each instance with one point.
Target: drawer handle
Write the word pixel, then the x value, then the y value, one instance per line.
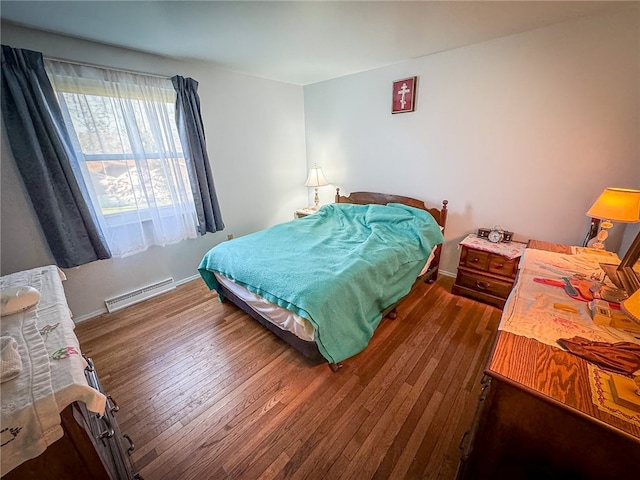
pixel 485 384
pixel 115 407
pixel 499 265
pixel 90 367
pixel 482 285
pixel 109 432
pixel 132 446
pixel 463 441
pixel 475 260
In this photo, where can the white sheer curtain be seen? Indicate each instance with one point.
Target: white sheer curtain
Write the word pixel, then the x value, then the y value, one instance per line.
pixel 123 129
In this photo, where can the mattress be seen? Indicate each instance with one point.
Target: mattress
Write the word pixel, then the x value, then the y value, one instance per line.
pixel 279 316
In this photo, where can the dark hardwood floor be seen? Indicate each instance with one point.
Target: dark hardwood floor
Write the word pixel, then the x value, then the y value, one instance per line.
pixel 208 393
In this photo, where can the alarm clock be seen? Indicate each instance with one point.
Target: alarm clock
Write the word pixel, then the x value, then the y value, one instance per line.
pixel 495 234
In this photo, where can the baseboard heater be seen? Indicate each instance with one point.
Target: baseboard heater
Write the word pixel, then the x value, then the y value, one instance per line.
pixel 127 299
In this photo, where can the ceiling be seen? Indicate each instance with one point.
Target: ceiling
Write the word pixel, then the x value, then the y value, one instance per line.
pixel 298 42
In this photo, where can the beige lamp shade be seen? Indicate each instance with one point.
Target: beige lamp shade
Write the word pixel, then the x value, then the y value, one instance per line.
pixel 316 178
pixel 617 205
pixel 631 306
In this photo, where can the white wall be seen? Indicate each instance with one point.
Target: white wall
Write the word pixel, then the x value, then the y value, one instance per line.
pixel 522 132
pixel 255 137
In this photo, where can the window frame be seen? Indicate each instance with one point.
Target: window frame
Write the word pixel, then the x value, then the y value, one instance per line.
pixel 137 214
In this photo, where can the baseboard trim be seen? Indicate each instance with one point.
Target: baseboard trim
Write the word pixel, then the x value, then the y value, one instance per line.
pixel 97 313
pixel 88 316
pixel 188 279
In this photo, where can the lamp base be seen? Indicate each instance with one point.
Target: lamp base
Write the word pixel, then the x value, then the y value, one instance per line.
pixel 603 234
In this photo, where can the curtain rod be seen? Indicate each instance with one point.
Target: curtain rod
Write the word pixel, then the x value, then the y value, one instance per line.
pixel 83 64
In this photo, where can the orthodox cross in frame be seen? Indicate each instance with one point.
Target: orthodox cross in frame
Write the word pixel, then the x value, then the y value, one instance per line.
pixel 404 95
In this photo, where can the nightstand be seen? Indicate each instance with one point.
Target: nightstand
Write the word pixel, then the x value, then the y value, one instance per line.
pixel 487 271
pixel 303 212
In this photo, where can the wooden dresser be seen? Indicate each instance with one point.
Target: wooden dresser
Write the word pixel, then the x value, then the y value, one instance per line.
pixel 84 440
pixel 536 418
pixel 485 276
pixel 92 448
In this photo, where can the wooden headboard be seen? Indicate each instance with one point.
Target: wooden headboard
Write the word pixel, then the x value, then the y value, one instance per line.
pixel 365 198
pixel 440 215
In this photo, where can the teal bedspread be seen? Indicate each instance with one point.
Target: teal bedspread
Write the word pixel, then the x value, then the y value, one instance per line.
pixel 338 268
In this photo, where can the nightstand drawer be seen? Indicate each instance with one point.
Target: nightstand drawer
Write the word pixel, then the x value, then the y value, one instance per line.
pixel 476 259
pixel 483 284
pixel 503 266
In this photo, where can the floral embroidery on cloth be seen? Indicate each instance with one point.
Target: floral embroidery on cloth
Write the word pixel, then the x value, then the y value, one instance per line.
pixel 47 329
pixel 61 353
pixel 64 352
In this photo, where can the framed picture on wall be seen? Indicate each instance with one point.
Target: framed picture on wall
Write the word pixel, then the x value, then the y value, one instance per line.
pixel 404 95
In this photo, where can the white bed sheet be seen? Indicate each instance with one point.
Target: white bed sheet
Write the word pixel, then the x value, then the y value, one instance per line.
pixel 281 317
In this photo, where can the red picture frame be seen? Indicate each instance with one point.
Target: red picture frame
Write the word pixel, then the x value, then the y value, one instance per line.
pixel 404 95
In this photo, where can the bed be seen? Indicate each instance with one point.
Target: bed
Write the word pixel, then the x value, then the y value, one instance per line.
pixel 323 283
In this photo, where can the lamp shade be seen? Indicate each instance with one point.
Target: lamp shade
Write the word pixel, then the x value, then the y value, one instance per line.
pixel 316 178
pixel 631 306
pixel 617 205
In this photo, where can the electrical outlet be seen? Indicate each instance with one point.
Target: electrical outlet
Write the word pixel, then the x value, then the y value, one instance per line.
pixel 230 236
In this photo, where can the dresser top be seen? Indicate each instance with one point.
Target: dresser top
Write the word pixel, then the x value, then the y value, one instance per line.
pixel 551 373
pixel 549 246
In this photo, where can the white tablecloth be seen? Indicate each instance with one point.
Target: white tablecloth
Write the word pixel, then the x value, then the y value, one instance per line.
pixel 530 311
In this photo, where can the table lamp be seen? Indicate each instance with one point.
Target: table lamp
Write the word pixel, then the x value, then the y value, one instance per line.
pixel 316 179
pixel 614 205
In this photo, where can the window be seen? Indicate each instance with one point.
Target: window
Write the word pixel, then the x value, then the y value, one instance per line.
pixel 123 131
